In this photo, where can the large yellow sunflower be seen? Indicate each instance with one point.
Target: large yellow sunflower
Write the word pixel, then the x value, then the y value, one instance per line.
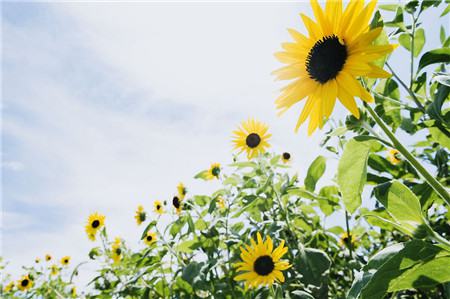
pixel 65 260
pixel 326 65
pixel 252 138
pixel 150 238
pixel 262 264
pixel 116 250
pixel 140 215
pixel 94 224
pixel 158 207
pixel 182 190
pixel 213 172
pixel 25 283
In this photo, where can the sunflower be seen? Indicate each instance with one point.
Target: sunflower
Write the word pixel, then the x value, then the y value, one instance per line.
pixel 25 283
pixel 116 250
pixel 37 260
pixel 140 215
pixel 213 172
pixel 65 260
pixel 220 202
pixel 9 287
pixel 150 238
pixel 182 190
pixel 48 257
pixel 262 264
pixel 176 202
pixel 346 239
pixel 73 291
pixel 95 222
pixel 286 157
pixel 394 156
pixel 158 207
pixel 251 137
pixel 54 270
pixel 326 65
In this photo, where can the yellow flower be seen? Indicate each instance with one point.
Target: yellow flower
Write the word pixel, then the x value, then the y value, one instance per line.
pixel 182 191
pixel 73 291
pixel 176 202
pixel 221 202
pixel 327 64
pixel 48 257
pixel 65 260
pixel 158 207
pixel 25 283
pixel 150 238
pixel 394 156
pixel 252 138
pixel 140 215
pixel 286 157
pixel 213 172
pixel 95 222
pixel 54 270
pixel 347 239
pixel 37 260
pixel 261 264
pixel 9 287
pixel 116 250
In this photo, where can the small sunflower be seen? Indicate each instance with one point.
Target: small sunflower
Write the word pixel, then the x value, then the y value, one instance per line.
pixel 346 239
pixel 262 264
pixel 158 207
pixel 140 215
pixel 286 157
pixel 54 270
pixel 150 238
pixel 37 260
pixel 9 287
pixel 252 138
pixel 213 172
pixel 327 64
pixel 220 202
pixel 25 283
pixel 95 222
pixel 394 156
pixel 182 190
pixel 116 250
pixel 48 257
pixel 73 291
pixel 176 202
pixel 65 260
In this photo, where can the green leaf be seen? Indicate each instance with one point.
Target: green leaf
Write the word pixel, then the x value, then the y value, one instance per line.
pixel 315 172
pixel 442 35
pixel 440 137
pixel 388 7
pixel 418 264
pixel 352 172
pixel 405 40
pixel 419 41
pixel 201 175
pixel 446 11
pixel 313 264
pixel 441 55
pixel 403 206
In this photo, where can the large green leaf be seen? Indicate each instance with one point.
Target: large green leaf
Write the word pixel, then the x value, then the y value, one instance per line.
pixel 313 264
pixel 352 172
pixel 315 172
pixel 418 264
pixel 441 55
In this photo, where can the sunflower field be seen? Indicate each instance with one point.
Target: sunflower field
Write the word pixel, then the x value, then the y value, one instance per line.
pixel 264 232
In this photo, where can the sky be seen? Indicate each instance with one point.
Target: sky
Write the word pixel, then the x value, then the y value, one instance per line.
pixel 109 105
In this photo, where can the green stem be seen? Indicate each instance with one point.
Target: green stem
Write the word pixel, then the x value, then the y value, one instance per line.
pixel 412 52
pixel 411 159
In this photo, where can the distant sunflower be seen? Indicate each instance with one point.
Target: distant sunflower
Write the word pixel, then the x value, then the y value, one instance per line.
pixel 182 190
pixel 326 65
pixel 116 250
pixel 37 260
pixel 95 222
pixel 213 172
pixel 54 270
pixel 150 238
pixel 140 215
pixel 176 202
pixel 221 202
pixel 158 207
pixel 25 283
pixel 286 157
pixel 9 287
pixel 73 291
pixel 394 156
pixel 262 264
pixel 252 138
pixel 48 257
pixel 346 239
pixel 65 260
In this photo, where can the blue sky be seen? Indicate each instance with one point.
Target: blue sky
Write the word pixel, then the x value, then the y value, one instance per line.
pixel 106 106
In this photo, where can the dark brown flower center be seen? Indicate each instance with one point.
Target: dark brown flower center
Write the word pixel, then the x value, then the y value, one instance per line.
pixel 264 265
pixel 286 156
pixel 176 202
pixel 158 207
pixel 326 59
pixel 118 251
pixel 215 171
pixel 149 238
pixel 253 140
pixel 95 223
pixel 24 282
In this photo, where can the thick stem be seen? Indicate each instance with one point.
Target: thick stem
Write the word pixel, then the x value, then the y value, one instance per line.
pixel 411 159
